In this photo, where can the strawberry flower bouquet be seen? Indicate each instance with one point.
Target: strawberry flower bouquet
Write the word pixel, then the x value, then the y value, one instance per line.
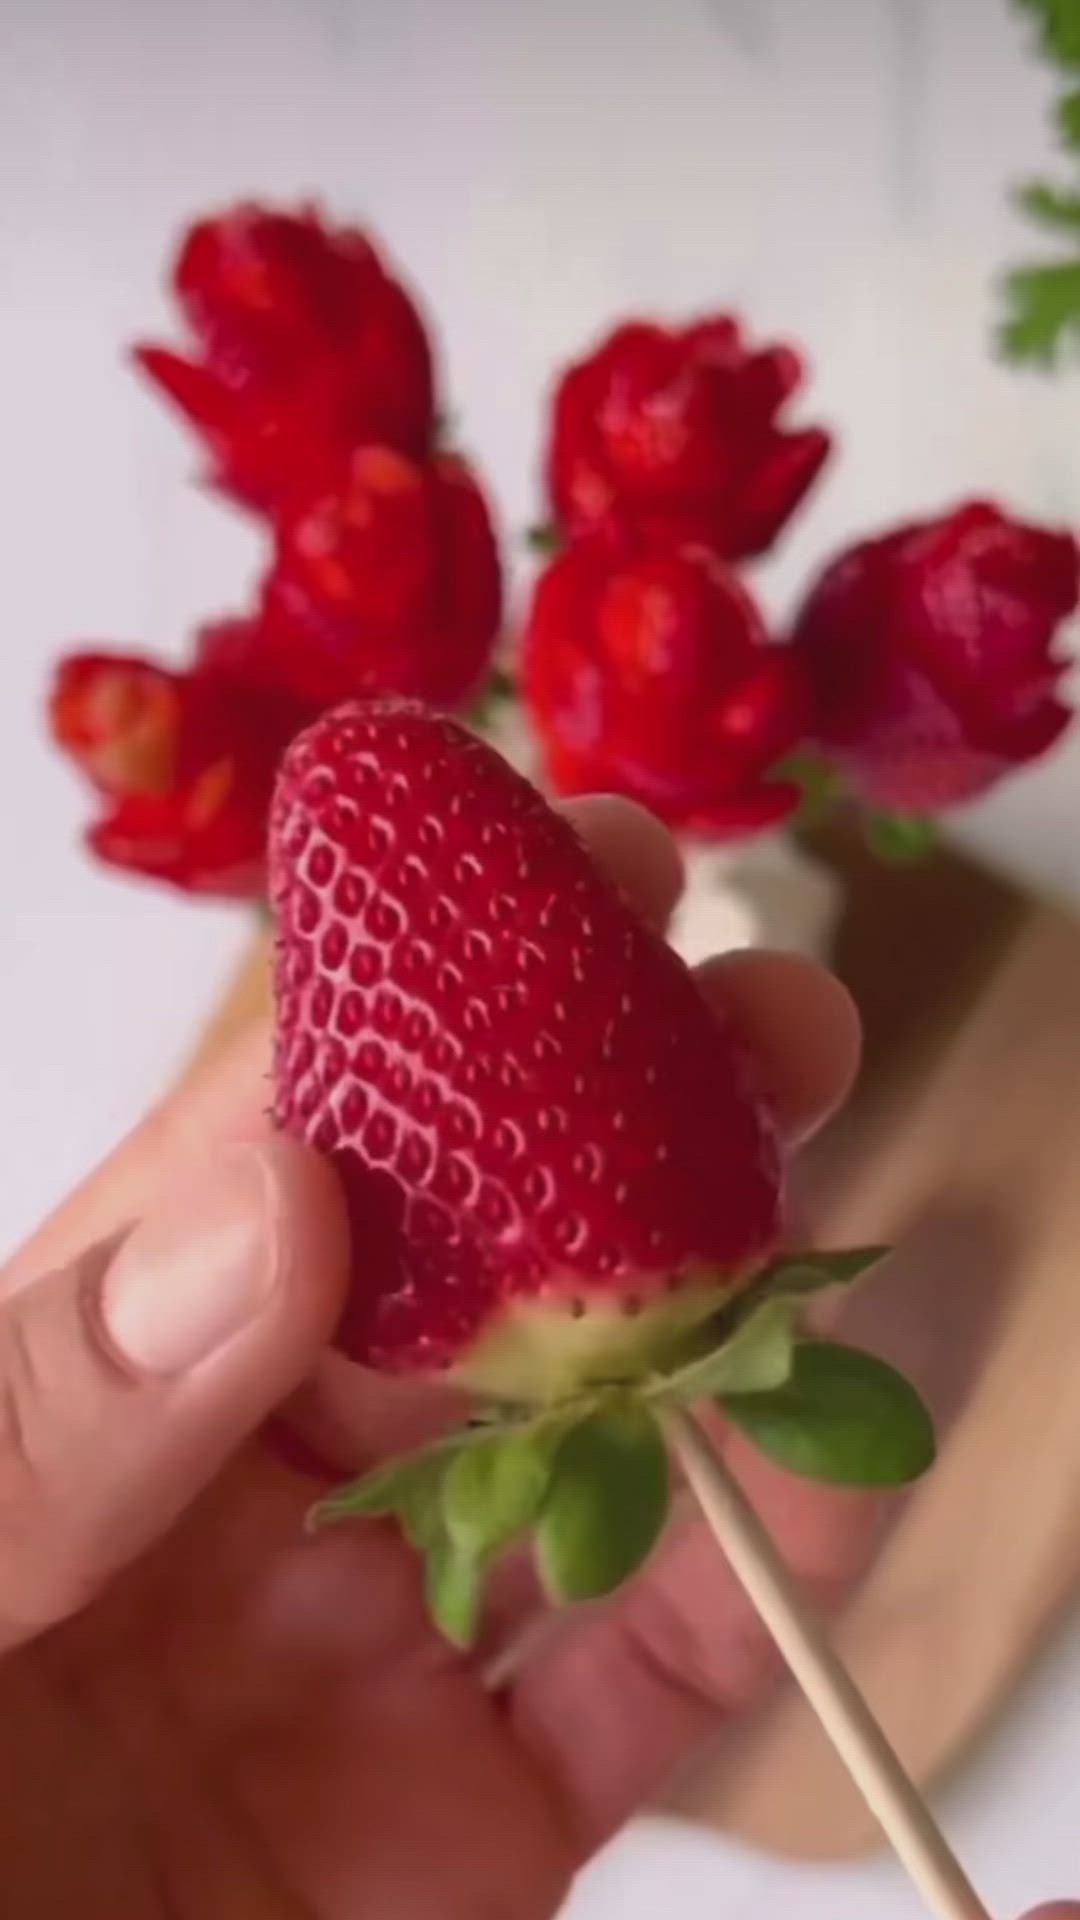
pixel 921 667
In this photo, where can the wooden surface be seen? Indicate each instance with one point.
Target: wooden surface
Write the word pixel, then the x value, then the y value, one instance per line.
pixel 962 1148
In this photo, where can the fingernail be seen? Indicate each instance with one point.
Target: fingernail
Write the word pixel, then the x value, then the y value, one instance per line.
pixel 190 1277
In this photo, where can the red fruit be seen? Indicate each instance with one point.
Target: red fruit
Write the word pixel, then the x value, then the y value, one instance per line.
pixel 386 580
pixel 184 763
pixel 652 675
pixel 554 1156
pixel 304 346
pixel 932 658
pixel 675 432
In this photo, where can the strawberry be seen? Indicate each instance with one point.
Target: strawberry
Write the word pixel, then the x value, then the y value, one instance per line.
pixel 559 1167
pixel 553 1153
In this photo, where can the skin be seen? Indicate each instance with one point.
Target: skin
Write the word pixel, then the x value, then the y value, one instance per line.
pixel 206 1716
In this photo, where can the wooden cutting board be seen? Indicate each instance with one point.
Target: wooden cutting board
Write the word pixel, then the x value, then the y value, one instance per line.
pixel 962 1147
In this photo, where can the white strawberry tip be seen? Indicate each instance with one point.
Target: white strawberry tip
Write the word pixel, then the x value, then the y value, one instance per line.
pixel 569 1449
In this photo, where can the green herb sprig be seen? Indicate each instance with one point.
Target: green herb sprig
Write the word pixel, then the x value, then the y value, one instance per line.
pixel 1042 298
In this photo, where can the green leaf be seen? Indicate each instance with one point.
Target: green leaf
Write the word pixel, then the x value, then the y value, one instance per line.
pixel 387 1490
pixel 498 690
pixel 453 1584
pixel 1058 22
pixel 843 1416
pixel 606 1505
pixel 902 839
pixel 754 1358
pixel 458 1502
pixel 493 1492
pixel 408 1487
pixel 1043 309
pixel 794 1274
pixel 543 539
pixel 1067 116
pixel 1053 207
pixel 819 782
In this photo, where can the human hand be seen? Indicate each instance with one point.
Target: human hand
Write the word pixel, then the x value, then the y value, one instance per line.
pixel 204 1714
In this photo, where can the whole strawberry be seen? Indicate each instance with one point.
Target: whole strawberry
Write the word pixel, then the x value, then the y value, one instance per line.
pixel 302 345
pixel 934 655
pixel 558 1165
pixel 553 1153
pixel 680 433
pixel 651 674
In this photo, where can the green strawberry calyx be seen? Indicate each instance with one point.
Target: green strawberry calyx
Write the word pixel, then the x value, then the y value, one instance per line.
pixel 587 1478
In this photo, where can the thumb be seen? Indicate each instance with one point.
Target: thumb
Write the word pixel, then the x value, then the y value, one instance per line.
pixel 128 1378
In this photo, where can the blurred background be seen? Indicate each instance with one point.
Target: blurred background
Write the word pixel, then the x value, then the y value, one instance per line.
pixel 837 170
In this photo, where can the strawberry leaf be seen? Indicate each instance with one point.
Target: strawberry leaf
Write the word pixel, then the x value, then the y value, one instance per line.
pixel 439 1503
pixel 794 1274
pixel 606 1504
pixel 754 1358
pixel 843 1416
pixel 409 1490
pixel 818 781
pixel 493 1492
pixel 407 1487
pixel 498 691
pixel 900 839
pixel 453 1586
pixel 388 1490
pixel 543 539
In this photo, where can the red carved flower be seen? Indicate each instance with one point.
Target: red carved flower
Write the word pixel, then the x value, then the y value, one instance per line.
pixel 184 764
pixel 930 655
pixel 676 432
pixel 652 675
pixel 303 345
pixel 387 580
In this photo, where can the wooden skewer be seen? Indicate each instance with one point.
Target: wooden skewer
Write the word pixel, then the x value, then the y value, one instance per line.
pixel 893 1800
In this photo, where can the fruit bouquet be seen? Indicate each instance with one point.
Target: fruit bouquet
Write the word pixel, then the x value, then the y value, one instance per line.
pixel 920 667
pixel 563 1174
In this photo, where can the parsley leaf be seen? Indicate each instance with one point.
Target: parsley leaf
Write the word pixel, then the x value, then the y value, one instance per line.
pixel 1059 29
pixel 1042 300
pixel 1067 118
pixel 1043 311
pixel 1054 207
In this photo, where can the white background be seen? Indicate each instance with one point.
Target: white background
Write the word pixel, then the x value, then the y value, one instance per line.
pixel 835 168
